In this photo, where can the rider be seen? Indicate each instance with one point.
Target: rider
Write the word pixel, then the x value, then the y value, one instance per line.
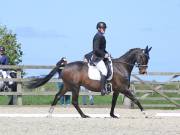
pixel 99 53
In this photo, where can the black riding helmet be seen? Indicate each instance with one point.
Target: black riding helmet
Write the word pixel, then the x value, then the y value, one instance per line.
pixel 101 25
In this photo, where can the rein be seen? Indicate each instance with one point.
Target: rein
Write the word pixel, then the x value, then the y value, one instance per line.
pixel 136 64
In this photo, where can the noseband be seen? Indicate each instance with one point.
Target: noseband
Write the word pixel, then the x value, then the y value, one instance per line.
pixel 139 65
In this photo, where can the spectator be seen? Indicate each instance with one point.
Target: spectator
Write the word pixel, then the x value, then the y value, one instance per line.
pixel 66 98
pixel 3 61
pixel 84 97
pixel 3 58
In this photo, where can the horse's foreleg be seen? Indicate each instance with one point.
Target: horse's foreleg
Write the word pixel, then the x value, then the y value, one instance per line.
pixel 136 101
pixel 75 95
pixel 114 99
pixel 128 94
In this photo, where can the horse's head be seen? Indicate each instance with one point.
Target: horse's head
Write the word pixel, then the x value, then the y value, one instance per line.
pixel 142 60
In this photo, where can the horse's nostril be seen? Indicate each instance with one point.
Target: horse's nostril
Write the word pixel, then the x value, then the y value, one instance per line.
pixel 144 72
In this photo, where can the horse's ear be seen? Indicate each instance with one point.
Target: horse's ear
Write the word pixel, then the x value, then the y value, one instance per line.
pixel 149 49
pixel 146 48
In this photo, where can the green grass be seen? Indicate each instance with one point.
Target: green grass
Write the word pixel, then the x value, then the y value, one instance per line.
pixel 157 95
pixel 156 102
pixel 168 86
pixel 46 100
pixel 106 100
pixel 98 100
pixel 3 100
pixel 37 100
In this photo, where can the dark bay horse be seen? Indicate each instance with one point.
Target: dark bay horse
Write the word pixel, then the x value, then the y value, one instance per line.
pixel 75 74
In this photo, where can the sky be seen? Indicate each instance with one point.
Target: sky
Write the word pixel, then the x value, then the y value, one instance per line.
pixel 51 29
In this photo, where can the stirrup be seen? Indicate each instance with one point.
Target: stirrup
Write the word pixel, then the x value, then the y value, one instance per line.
pixel 108 88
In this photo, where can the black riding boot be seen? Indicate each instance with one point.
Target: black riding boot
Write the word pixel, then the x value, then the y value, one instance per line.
pixel 103 82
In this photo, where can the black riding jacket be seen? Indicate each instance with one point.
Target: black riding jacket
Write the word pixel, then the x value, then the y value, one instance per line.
pixel 99 45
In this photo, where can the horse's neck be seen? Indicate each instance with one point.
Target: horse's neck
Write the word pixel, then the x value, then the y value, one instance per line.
pixel 129 60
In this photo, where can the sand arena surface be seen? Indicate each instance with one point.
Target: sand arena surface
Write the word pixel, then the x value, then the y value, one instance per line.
pixel 130 122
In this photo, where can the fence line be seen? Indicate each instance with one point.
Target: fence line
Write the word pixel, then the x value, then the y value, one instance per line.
pixel 20 81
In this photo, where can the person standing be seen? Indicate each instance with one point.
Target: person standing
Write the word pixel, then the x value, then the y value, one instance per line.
pixel 84 97
pixel 4 60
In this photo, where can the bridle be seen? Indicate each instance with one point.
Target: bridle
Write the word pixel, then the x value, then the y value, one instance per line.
pixel 136 64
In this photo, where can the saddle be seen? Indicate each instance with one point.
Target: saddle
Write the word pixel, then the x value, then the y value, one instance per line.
pixel 95 74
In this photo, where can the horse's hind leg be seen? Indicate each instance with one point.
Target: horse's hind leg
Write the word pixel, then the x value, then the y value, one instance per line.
pixel 114 99
pixel 75 95
pixel 128 94
pixel 57 97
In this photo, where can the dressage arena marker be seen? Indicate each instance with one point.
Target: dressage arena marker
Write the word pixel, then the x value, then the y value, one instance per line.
pixel 40 115
pixel 168 114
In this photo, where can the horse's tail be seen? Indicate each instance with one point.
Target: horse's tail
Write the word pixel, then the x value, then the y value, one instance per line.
pixel 40 81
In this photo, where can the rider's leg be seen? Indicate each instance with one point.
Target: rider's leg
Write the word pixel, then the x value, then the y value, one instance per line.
pixel 101 66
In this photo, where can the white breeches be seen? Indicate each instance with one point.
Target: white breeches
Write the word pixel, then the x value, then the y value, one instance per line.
pixel 101 67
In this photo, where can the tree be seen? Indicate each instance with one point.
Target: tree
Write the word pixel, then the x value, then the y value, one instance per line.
pixel 13 48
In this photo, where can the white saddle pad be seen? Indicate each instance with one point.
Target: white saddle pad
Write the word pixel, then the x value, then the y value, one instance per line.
pixel 94 73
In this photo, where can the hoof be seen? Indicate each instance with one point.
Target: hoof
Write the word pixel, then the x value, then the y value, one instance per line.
pixel 49 115
pixel 85 116
pixel 51 109
pixel 114 116
pixel 145 114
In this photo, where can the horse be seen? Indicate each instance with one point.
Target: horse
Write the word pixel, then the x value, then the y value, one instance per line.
pixel 8 86
pixel 75 74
